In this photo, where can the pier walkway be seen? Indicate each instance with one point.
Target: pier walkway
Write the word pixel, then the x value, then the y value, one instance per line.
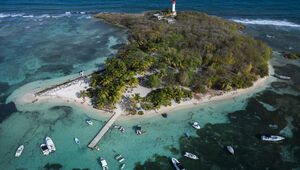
pixel 104 130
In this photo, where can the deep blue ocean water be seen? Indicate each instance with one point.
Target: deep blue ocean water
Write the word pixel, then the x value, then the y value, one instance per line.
pixel 47 39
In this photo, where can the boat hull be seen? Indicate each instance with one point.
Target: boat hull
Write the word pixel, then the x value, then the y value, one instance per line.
pixel 19 151
pixel 50 144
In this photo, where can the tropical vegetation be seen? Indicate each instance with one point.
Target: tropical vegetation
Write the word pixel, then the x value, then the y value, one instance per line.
pixel 197 52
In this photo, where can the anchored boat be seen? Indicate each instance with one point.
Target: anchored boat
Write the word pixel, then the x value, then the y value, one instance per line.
pixel 190 155
pixel 45 149
pixel 103 163
pixel 50 144
pixel 272 138
pixel 122 166
pixel 196 125
pixel 230 149
pixel 89 121
pixel 138 129
pixel 19 151
pixel 282 77
pixel 177 164
pixel 76 140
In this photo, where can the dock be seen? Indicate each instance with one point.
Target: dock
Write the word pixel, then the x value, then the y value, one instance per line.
pixel 104 130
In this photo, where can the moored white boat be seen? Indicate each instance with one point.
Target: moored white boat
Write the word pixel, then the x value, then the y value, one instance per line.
pixel 118 156
pixel 196 125
pixel 50 144
pixel 282 77
pixel 103 163
pixel 230 149
pixel 177 164
pixel 122 166
pixel 19 151
pixel 122 159
pixel 190 155
pixel 45 149
pixel 76 140
pixel 138 129
pixel 272 138
pixel 89 121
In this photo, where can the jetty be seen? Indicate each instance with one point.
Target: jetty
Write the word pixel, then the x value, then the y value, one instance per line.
pixel 66 83
pixel 105 128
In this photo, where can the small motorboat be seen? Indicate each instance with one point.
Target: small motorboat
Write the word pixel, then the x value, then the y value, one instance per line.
pixel 118 156
pixel 187 134
pixel 76 140
pixel 282 77
pixel 196 125
pixel 103 163
pixel 177 164
pixel 50 144
pixel 45 149
pixel 138 129
pixel 89 121
pixel 97 148
pixel 122 159
pixel 122 166
pixel 272 138
pixel 35 100
pixel 116 126
pixel 230 149
pixel 164 115
pixel 19 151
pixel 190 155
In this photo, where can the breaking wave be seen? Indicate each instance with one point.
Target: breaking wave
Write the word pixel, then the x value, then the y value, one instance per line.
pixel 267 22
pixel 66 14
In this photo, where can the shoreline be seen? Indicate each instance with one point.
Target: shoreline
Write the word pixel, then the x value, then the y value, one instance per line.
pixel 69 95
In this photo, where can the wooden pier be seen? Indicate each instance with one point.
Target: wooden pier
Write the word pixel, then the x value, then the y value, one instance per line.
pixel 104 130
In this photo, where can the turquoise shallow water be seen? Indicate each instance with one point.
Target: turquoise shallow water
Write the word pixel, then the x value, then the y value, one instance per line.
pixel 63 123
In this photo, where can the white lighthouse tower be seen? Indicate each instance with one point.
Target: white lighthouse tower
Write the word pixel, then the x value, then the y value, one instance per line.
pixel 173 8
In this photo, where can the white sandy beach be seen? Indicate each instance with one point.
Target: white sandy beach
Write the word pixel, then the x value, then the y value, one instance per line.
pixel 70 94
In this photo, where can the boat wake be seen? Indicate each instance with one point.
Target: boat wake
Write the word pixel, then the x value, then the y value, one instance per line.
pixel 267 22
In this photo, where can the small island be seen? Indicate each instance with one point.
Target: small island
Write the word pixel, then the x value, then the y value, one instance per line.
pixel 169 62
pixel 176 58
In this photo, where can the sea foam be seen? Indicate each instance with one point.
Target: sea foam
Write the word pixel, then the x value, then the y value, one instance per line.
pixel 267 22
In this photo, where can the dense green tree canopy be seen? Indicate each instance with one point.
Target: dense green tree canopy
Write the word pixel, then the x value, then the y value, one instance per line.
pixel 197 51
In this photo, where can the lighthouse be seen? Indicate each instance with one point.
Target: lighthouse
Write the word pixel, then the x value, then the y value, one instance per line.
pixel 173 8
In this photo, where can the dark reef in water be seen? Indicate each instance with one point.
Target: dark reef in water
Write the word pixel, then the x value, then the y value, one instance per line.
pixel 6 110
pixel 53 166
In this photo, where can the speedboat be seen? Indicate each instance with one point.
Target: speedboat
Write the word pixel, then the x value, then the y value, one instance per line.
pixel 272 138
pixel 50 144
pixel 19 151
pixel 89 121
pixel 122 166
pixel 45 149
pixel 122 159
pixel 103 163
pixel 230 149
pixel 77 140
pixel 118 156
pixel 177 164
pixel 138 129
pixel 282 77
pixel 190 155
pixel 196 125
